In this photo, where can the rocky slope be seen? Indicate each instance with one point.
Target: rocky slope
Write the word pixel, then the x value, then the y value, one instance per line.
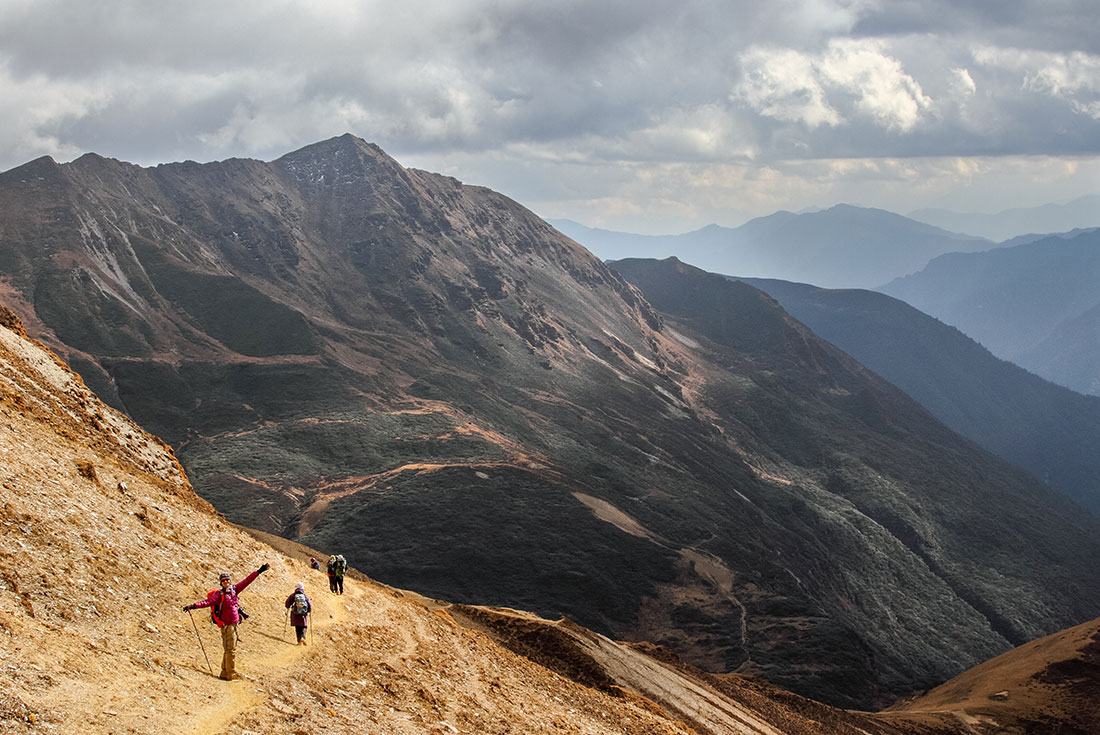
pixel 95 640
pixel 105 542
pixel 428 378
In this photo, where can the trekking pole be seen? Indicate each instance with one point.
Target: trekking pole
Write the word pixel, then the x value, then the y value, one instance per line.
pixel 208 666
pixel 309 618
pixel 285 619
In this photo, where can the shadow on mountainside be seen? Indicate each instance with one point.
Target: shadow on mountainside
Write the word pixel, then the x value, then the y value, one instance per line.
pixel 104 542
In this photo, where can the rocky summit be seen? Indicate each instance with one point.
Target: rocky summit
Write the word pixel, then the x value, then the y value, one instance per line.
pixel 426 377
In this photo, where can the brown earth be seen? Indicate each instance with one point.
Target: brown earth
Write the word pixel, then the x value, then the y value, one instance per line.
pixel 104 541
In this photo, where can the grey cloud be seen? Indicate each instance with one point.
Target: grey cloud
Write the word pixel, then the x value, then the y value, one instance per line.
pixel 1038 24
pixel 504 85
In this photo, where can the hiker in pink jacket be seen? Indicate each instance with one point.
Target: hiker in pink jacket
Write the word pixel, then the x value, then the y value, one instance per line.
pixel 227 615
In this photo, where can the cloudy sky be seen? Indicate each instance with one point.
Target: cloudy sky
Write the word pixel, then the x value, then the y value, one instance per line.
pixel 640 115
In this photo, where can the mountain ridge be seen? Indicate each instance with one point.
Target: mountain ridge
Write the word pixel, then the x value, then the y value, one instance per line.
pixel 1044 428
pixel 1012 299
pixel 842 246
pixel 1010 223
pixel 468 403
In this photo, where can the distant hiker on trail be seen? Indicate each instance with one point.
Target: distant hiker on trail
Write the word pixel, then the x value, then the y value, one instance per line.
pixel 227 616
pixel 337 566
pixel 314 564
pixel 300 607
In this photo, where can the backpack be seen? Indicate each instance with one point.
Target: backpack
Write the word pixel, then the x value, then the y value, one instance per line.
pixel 339 567
pixel 216 609
pixel 300 605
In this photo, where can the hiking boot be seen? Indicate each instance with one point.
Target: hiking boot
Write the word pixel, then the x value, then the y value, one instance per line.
pixel 231 677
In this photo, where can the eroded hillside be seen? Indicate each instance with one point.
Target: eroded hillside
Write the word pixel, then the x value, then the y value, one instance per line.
pixel 428 377
pixel 104 542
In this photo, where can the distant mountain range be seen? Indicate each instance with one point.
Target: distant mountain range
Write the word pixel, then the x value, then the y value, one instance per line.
pixel 1081 213
pixel 1048 430
pixel 428 378
pixel 839 247
pixel 1036 303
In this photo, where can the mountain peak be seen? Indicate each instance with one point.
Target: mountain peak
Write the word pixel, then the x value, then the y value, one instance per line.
pixel 42 166
pixel 343 160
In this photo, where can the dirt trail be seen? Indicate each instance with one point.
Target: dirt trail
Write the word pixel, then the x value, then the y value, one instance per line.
pixel 265 655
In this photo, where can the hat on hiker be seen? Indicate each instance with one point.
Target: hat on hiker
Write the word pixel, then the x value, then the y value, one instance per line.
pixel 224 575
pixel 299 587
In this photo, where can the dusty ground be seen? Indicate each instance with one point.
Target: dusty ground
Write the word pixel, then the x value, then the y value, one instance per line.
pixel 102 542
pixel 93 638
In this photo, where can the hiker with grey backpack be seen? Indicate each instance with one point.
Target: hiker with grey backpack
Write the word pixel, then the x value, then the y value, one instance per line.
pixel 300 607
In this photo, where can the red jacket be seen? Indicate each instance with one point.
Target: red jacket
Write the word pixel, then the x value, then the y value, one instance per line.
pixel 230 606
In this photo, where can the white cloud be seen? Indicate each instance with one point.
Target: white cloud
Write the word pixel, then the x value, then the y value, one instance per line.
pixel 608 101
pixel 883 90
pixel 784 84
pixel 1056 74
pixel 1073 78
pixel 799 87
pixel 961 83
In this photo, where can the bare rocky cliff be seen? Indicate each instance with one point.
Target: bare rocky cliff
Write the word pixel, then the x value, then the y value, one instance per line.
pixel 428 378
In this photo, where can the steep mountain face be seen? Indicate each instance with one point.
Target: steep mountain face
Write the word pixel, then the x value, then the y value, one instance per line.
pixel 1046 429
pixel 96 642
pixel 807 400
pixel 428 378
pixel 839 247
pixel 1012 300
pixel 101 647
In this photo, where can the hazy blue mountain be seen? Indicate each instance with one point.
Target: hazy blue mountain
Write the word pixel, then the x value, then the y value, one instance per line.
pixel 839 247
pixel 1013 299
pixel 1070 355
pixel 1080 213
pixel 1046 429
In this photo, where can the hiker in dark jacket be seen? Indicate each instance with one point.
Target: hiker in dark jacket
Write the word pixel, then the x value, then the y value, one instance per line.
pixel 227 615
pixel 337 566
pixel 300 607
